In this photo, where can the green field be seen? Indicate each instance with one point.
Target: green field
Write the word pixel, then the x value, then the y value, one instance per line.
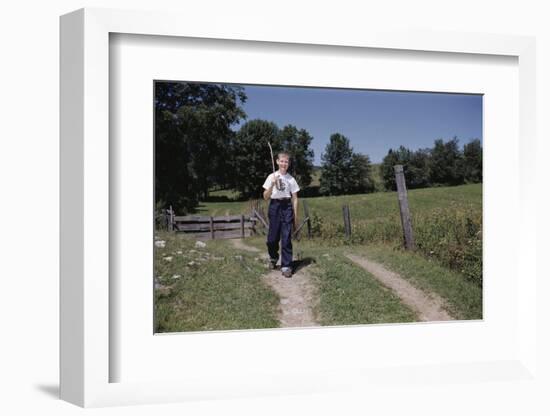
pixel 447 222
pixel 223 289
pixel 368 206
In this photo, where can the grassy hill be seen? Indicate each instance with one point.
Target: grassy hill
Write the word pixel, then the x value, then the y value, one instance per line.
pixel 368 206
pixel 376 177
pixel 447 222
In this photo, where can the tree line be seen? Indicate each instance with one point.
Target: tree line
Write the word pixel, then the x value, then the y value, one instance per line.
pixel 445 164
pixel 199 148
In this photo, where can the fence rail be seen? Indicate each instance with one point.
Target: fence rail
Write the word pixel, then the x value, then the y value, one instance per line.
pixel 209 228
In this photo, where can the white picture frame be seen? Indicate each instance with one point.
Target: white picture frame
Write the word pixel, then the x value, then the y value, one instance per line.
pixel 85 355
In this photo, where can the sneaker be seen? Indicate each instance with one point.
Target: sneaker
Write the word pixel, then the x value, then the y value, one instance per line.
pixel 273 264
pixel 287 272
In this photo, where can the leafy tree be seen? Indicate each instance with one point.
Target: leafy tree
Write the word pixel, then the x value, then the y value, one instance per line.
pixel 473 162
pixel 297 142
pixel 192 133
pixel 336 164
pixel 360 176
pixel 416 167
pixel 342 170
pixel 446 163
pixel 401 156
pixel 251 161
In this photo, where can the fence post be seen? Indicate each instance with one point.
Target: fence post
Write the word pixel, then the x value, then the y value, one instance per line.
pixel 252 222
pixel 171 221
pixel 259 216
pixel 347 221
pixel 306 214
pixel 260 210
pixel 242 226
pixel 166 219
pixel 404 207
pixel 211 227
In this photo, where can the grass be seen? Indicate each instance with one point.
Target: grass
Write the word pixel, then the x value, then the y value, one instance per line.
pixel 223 290
pixel 377 177
pixel 221 208
pixel 229 294
pixel 218 288
pixel 464 298
pixel 371 207
pixel 351 295
pixel 229 194
pixel 348 294
pixel 380 205
pixel 447 222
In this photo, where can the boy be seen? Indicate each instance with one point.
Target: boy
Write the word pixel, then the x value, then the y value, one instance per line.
pixel 282 191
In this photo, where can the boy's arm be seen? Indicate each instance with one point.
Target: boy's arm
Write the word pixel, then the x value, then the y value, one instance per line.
pixel 295 208
pixel 268 191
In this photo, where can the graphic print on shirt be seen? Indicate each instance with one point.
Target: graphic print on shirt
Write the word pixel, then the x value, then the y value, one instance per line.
pixel 285 187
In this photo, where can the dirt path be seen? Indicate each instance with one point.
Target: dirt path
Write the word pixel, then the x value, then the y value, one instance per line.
pixel 297 293
pixel 429 307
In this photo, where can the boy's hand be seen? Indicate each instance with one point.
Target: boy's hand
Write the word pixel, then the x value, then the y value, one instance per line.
pixel 276 177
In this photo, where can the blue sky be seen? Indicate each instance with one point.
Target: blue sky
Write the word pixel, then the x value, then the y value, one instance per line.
pixel 373 121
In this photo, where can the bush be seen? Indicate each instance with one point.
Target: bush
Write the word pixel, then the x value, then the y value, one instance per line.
pixel 454 237
pixel 316 225
pixel 161 219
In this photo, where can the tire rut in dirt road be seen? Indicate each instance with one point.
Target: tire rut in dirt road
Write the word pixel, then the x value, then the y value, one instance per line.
pixel 297 293
pixel 428 306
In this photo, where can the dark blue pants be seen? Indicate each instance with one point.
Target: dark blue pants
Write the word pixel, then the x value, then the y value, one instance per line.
pixel 281 217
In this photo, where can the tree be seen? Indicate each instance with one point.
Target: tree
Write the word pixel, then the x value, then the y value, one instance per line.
pixel 446 163
pixel 473 161
pixel 342 170
pixel 297 142
pixel 192 134
pixel 360 176
pixel 401 156
pixel 418 169
pixel 251 161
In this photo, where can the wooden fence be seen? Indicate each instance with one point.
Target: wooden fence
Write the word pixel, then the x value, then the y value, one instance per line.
pixel 241 226
pixel 406 223
pixel 228 226
pixel 209 228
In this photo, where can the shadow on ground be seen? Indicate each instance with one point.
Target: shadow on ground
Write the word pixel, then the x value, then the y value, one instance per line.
pixel 297 265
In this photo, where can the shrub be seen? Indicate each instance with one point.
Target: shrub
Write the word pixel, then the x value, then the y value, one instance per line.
pixel 161 219
pixel 454 237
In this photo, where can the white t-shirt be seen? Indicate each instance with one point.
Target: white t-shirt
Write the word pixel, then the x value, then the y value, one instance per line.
pixel 289 186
